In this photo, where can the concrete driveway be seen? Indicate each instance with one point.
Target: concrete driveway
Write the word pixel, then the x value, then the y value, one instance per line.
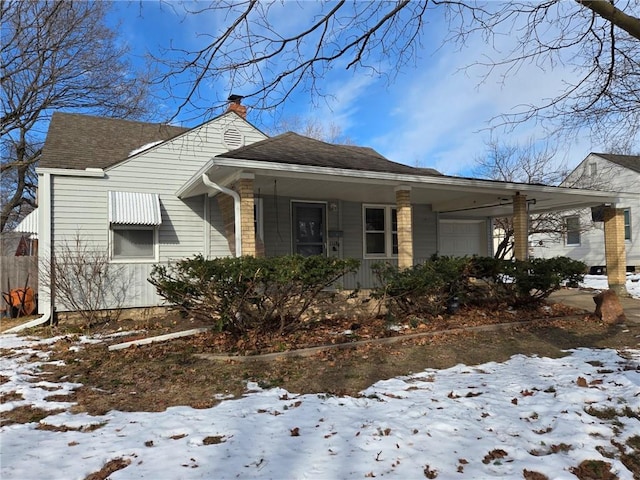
pixel 583 298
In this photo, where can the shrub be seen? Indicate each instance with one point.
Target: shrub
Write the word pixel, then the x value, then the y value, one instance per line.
pixel 537 278
pixel 424 289
pixel 430 287
pixel 84 280
pixel 246 293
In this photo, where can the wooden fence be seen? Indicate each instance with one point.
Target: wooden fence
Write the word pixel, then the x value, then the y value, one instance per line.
pixel 15 272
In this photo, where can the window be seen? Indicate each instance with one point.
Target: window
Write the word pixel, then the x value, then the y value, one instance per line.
pixel 134 218
pixel 573 230
pixel 380 231
pixel 593 170
pixel 627 224
pixel 134 243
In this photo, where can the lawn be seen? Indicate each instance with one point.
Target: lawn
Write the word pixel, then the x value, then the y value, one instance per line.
pixel 518 394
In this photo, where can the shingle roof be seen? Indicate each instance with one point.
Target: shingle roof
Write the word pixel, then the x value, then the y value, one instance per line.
pixel 632 162
pixel 80 141
pixel 298 150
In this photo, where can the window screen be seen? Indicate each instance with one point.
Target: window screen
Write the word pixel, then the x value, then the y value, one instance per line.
pixel 133 243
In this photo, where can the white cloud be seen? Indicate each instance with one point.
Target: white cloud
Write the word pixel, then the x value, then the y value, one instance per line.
pixel 442 115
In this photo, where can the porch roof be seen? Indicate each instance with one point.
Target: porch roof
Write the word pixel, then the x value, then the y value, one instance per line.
pixel 455 197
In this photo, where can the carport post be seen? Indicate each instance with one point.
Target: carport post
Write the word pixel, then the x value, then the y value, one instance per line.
pixel 614 249
pixel 520 227
pixel 405 228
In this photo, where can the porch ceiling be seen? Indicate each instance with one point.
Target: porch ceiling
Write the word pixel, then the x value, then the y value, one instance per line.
pixel 451 196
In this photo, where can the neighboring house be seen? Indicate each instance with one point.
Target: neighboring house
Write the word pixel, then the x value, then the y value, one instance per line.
pixel 150 194
pixel 583 238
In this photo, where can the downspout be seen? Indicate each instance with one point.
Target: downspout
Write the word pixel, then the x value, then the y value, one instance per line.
pixel 236 209
pixel 45 298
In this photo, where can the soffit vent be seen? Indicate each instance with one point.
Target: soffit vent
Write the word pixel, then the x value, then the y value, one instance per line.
pixel 232 138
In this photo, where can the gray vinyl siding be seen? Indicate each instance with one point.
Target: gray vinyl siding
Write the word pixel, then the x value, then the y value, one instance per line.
pixel 347 218
pixel 219 245
pixel 79 204
pixel 277 225
pixel 425 232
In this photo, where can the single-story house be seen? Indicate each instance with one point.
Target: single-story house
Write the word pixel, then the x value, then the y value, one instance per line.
pixel 583 238
pixel 150 193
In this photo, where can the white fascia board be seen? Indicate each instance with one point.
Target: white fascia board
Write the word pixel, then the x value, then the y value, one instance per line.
pixel 443 182
pixel 70 172
pixel 195 180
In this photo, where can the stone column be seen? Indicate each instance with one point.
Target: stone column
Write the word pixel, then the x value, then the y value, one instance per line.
pixel 244 187
pixel 520 227
pixel 614 249
pixel 405 227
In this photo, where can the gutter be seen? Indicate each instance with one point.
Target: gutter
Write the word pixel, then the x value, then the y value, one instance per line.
pixel 236 209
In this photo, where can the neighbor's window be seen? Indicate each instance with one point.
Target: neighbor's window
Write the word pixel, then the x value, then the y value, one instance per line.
pixel 627 224
pixel 380 231
pixel 573 230
pixel 134 243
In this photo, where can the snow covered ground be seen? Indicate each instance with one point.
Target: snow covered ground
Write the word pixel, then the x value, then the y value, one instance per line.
pixel 485 421
pixel 599 282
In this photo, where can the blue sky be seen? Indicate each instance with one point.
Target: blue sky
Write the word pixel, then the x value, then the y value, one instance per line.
pixel 434 114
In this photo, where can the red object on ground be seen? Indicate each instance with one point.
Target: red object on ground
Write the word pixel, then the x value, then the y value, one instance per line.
pixel 21 301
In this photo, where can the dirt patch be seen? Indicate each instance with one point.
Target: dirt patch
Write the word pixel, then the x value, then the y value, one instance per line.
pixel 26 414
pixel 157 376
pixel 110 467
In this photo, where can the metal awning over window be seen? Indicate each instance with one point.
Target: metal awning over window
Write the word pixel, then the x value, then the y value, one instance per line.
pixel 29 224
pixel 132 208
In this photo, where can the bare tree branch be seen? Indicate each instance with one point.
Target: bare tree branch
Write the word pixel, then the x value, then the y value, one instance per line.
pixel 55 55
pixel 267 60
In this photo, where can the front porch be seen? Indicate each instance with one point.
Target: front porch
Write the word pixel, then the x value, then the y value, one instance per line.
pixel 278 209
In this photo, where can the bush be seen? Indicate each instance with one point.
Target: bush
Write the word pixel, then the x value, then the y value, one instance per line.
pixel 424 289
pixel 249 293
pixel 526 282
pixel 430 288
pixel 537 278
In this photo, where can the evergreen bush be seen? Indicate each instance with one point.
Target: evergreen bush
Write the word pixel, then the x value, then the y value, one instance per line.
pixel 249 293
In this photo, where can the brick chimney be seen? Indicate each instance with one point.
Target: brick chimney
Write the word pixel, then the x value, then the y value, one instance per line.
pixel 235 105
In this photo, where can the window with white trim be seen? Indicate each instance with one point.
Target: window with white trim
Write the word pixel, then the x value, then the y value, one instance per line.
pixel 133 242
pixel 627 224
pixel 380 226
pixel 572 225
pixel 134 218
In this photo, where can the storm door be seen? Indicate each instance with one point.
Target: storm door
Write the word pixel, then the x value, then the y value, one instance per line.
pixel 309 228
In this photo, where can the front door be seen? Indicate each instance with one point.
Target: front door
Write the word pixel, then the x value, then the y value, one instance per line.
pixel 309 228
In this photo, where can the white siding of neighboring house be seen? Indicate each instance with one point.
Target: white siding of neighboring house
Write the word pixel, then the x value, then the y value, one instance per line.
pixel 80 204
pixel 609 176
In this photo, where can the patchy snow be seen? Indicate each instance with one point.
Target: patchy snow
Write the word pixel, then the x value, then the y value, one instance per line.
pixel 599 282
pixel 486 421
pixel 144 147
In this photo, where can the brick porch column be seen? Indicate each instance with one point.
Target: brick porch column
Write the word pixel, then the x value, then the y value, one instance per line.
pixel 405 228
pixel 244 187
pixel 615 254
pixel 520 227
